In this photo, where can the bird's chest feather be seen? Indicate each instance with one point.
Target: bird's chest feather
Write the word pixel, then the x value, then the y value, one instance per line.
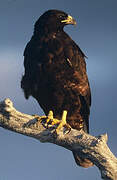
pixel 58 62
pixel 56 56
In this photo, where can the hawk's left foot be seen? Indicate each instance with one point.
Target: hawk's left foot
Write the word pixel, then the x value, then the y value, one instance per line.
pixel 63 123
pixel 50 121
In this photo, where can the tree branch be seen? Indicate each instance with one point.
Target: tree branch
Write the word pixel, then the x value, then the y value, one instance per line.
pixel 93 148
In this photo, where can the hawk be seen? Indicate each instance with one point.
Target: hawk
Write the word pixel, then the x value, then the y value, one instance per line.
pixel 55 73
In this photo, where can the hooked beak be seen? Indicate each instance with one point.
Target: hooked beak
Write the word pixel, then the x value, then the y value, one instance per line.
pixel 69 20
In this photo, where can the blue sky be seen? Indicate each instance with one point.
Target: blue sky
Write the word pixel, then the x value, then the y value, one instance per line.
pixel 22 157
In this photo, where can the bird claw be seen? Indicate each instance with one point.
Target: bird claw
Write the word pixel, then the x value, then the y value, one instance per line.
pixel 63 122
pixel 49 121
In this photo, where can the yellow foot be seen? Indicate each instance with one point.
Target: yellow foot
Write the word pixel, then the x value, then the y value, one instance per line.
pixel 63 122
pixel 47 121
pixel 50 121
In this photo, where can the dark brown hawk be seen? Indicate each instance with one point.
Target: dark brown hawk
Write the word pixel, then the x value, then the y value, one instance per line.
pixel 55 73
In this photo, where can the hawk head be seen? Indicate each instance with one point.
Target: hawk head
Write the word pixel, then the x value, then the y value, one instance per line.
pixel 53 20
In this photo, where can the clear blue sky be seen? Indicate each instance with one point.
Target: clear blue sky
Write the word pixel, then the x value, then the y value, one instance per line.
pixel 22 157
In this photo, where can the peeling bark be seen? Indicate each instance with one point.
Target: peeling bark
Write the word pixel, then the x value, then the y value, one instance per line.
pixel 93 148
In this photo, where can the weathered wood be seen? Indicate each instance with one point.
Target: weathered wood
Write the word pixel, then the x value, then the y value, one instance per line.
pixel 93 148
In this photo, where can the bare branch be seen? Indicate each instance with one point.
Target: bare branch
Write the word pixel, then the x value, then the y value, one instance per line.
pixel 90 147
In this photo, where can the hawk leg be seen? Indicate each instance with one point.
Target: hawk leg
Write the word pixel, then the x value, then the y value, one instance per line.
pixel 63 123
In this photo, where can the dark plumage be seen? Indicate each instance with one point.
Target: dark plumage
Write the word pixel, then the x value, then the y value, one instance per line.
pixel 55 73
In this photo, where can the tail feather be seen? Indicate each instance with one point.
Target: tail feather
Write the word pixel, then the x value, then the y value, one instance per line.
pixel 82 162
pixel 78 157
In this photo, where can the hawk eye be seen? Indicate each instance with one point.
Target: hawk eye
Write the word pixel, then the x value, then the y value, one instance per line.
pixel 61 16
